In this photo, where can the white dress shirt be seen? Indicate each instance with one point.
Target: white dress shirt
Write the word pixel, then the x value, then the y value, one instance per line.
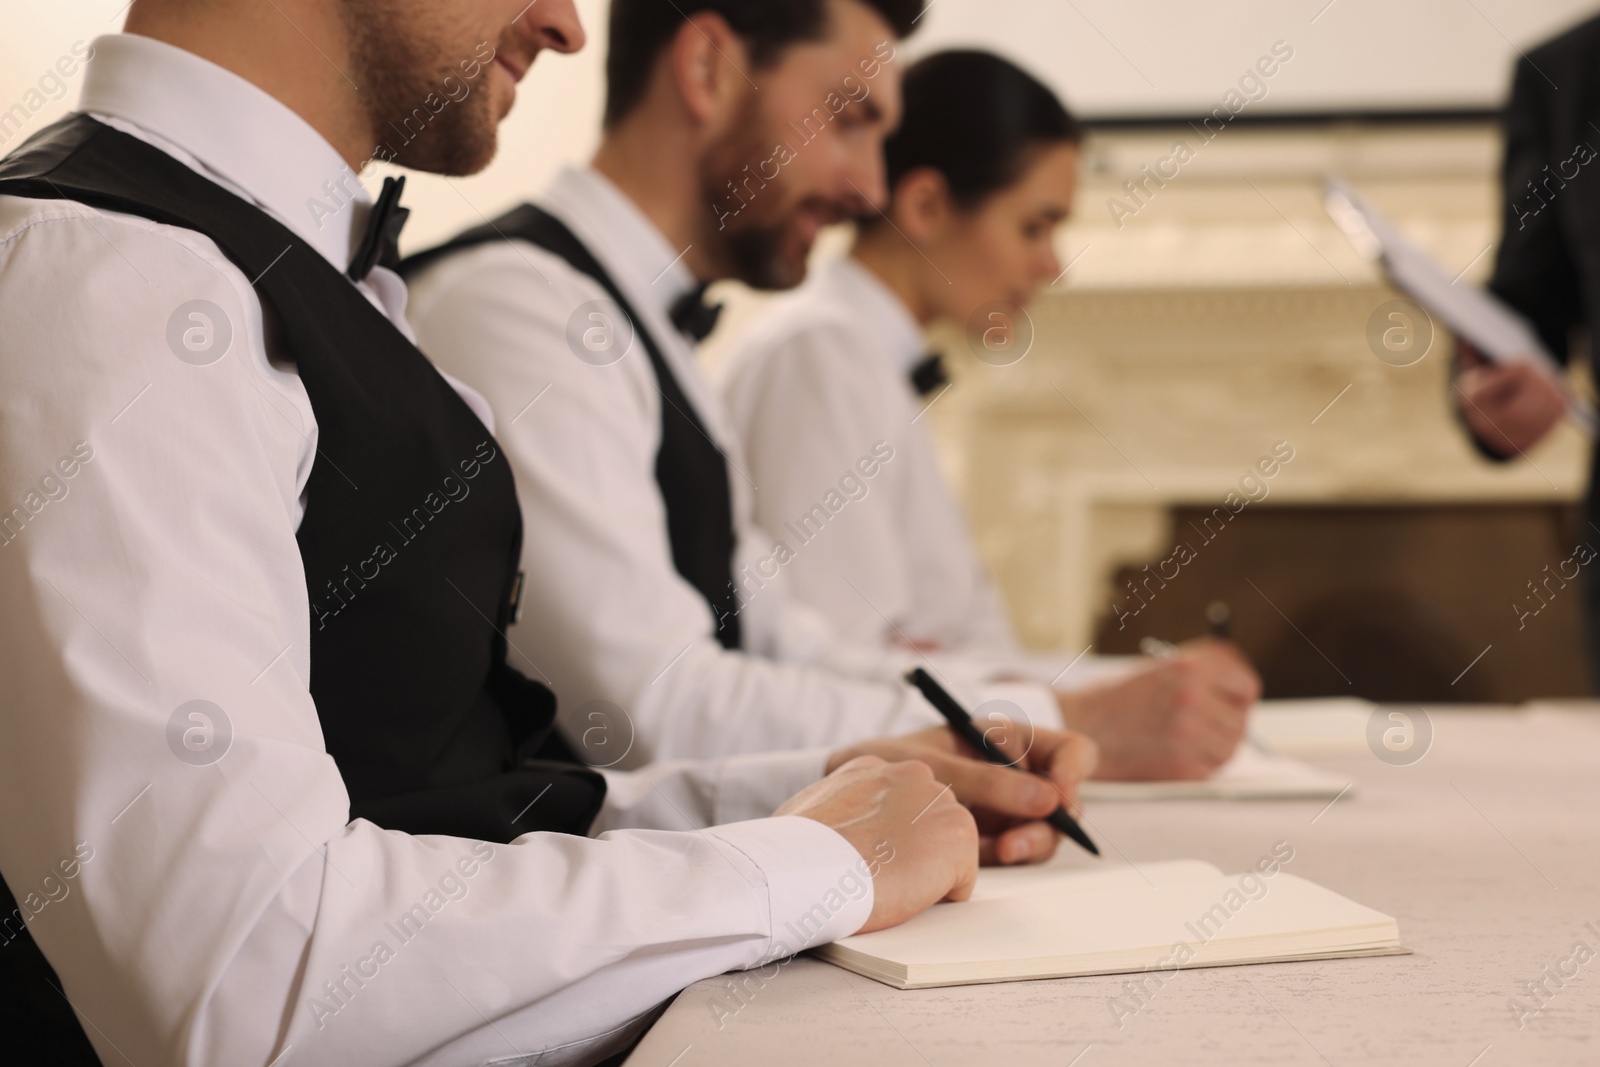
pixel 821 376
pixel 228 912
pixel 825 372
pixel 605 608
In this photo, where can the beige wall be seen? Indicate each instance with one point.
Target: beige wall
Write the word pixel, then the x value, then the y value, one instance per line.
pixel 556 119
pixel 1369 53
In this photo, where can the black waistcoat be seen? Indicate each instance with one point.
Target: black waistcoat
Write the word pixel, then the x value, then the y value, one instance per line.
pixel 691 470
pixel 410 540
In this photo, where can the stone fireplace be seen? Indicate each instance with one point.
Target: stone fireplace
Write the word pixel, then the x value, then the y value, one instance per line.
pixel 1207 367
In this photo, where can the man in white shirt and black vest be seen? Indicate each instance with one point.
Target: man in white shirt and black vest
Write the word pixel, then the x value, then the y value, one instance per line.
pixel 271 788
pixel 735 130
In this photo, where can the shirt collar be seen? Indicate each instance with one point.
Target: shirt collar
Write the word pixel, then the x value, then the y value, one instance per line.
pixel 899 336
pixel 620 235
pixel 234 133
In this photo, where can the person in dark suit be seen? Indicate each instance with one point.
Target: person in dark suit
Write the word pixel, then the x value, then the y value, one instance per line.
pixel 1548 267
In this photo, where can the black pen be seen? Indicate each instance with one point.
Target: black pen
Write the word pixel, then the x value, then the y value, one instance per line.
pixel 961 722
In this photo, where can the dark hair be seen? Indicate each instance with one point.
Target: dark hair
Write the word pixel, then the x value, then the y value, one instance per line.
pixel 642 29
pixel 976 119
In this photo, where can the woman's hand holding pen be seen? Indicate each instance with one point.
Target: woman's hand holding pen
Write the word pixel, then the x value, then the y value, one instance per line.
pixel 1180 718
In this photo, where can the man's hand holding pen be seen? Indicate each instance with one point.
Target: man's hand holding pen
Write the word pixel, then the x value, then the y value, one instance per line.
pixel 1009 804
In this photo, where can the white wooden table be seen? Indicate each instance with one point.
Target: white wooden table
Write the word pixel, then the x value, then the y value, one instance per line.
pixel 1487 851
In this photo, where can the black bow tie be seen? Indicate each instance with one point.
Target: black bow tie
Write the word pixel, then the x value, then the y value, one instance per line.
pixel 928 375
pixel 381 244
pixel 693 316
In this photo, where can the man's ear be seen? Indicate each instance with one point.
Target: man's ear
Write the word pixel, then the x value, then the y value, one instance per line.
pixel 709 67
pixel 922 205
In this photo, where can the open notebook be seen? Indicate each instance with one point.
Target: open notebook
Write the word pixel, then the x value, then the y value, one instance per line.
pixel 1053 921
pixel 1326 726
pixel 1263 767
pixel 1250 775
pixel 1497 331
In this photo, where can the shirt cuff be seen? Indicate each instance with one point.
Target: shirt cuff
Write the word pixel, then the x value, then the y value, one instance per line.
pixel 754 786
pixel 819 888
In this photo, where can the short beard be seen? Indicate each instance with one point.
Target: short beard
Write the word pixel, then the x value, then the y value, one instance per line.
pixel 752 251
pixel 398 67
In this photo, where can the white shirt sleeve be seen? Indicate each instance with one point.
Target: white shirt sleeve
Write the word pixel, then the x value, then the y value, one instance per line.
pixel 223 910
pixel 603 604
pixel 692 794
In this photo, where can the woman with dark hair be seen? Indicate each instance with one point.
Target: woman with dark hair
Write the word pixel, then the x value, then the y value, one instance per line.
pixel 981 172
pixel 827 391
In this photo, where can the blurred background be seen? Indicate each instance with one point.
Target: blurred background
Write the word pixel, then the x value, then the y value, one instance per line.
pixel 1209 325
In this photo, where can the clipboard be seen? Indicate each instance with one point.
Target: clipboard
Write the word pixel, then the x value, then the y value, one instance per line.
pixel 1493 328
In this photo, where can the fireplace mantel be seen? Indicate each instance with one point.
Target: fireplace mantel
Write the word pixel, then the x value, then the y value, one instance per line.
pixel 1227 316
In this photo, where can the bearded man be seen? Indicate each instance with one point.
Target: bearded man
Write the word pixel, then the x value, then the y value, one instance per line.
pixel 735 131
